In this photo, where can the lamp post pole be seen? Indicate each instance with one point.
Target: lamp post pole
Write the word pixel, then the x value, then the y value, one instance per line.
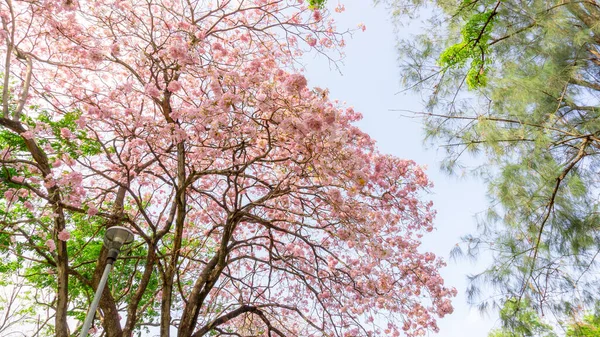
pixel 114 238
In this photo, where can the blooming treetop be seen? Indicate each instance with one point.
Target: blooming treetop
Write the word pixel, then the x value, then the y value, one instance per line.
pixel 260 208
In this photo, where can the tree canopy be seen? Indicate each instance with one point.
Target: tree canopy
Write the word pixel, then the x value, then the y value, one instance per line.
pixel 259 208
pixel 518 82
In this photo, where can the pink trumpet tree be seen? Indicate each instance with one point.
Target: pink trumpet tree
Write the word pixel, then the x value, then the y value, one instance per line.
pixel 260 210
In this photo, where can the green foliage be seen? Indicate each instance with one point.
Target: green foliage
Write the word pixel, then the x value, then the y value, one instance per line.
pixel 520 320
pixel 316 4
pixel 83 146
pixel 12 140
pixel 23 249
pixel 472 49
pixel 533 117
pixel 589 327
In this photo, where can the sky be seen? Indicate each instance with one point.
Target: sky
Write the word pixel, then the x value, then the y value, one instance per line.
pixel 370 82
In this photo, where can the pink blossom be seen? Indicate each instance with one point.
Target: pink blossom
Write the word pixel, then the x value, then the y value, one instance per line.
pixel 311 41
pixel 18 179
pixel 261 96
pixel 218 47
pixel 27 135
pixel 9 194
pixel 23 193
pixel 81 122
pixel 317 15
pixel 362 26
pixel 152 90
pixel 200 35
pixel 66 133
pixel 174 86
pixel 115 49
pixel 96 55
pixel 93 110
pixel 314 124
pixel 330 118
pixel 295 82
pixel 49 182
pixel 51 245
pixel 92 211
pixel 340 8
pixel 64 235
pixel 326 42
pixel 183 25
pixel 179 51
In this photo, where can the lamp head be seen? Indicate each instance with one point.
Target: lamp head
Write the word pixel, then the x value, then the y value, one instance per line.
pixel 115 238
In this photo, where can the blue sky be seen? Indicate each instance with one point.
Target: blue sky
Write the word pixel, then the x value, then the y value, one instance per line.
pixel 370 81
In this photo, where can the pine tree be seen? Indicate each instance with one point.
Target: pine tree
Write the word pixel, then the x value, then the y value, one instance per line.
pixel 518 82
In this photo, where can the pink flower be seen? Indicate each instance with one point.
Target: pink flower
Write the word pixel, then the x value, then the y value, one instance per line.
pixel 326 42
pixel 152 90
pixel 179 51
pixel 64 235
pixel 49 182
pixel 93 110
pixel 311 41
pixel 174 86
pixel 51 245
pixel 200 35
pixel 66 133
pixel 18 179
pixel 362 26
pixel 219 47
pixel 23 193
pixel 9 194
pixel 96 55
pixel 183 25
pixel 81 122
pixel 314 124
pixel 261 97
pixel 27 135
pixel 330 118
pixel 317 15
pixel 340 8
pixel 28 205
pixel 295 82
pixel 92 211
pixel 115 49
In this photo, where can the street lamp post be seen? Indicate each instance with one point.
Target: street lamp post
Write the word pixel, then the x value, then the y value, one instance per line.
pixel 114 238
